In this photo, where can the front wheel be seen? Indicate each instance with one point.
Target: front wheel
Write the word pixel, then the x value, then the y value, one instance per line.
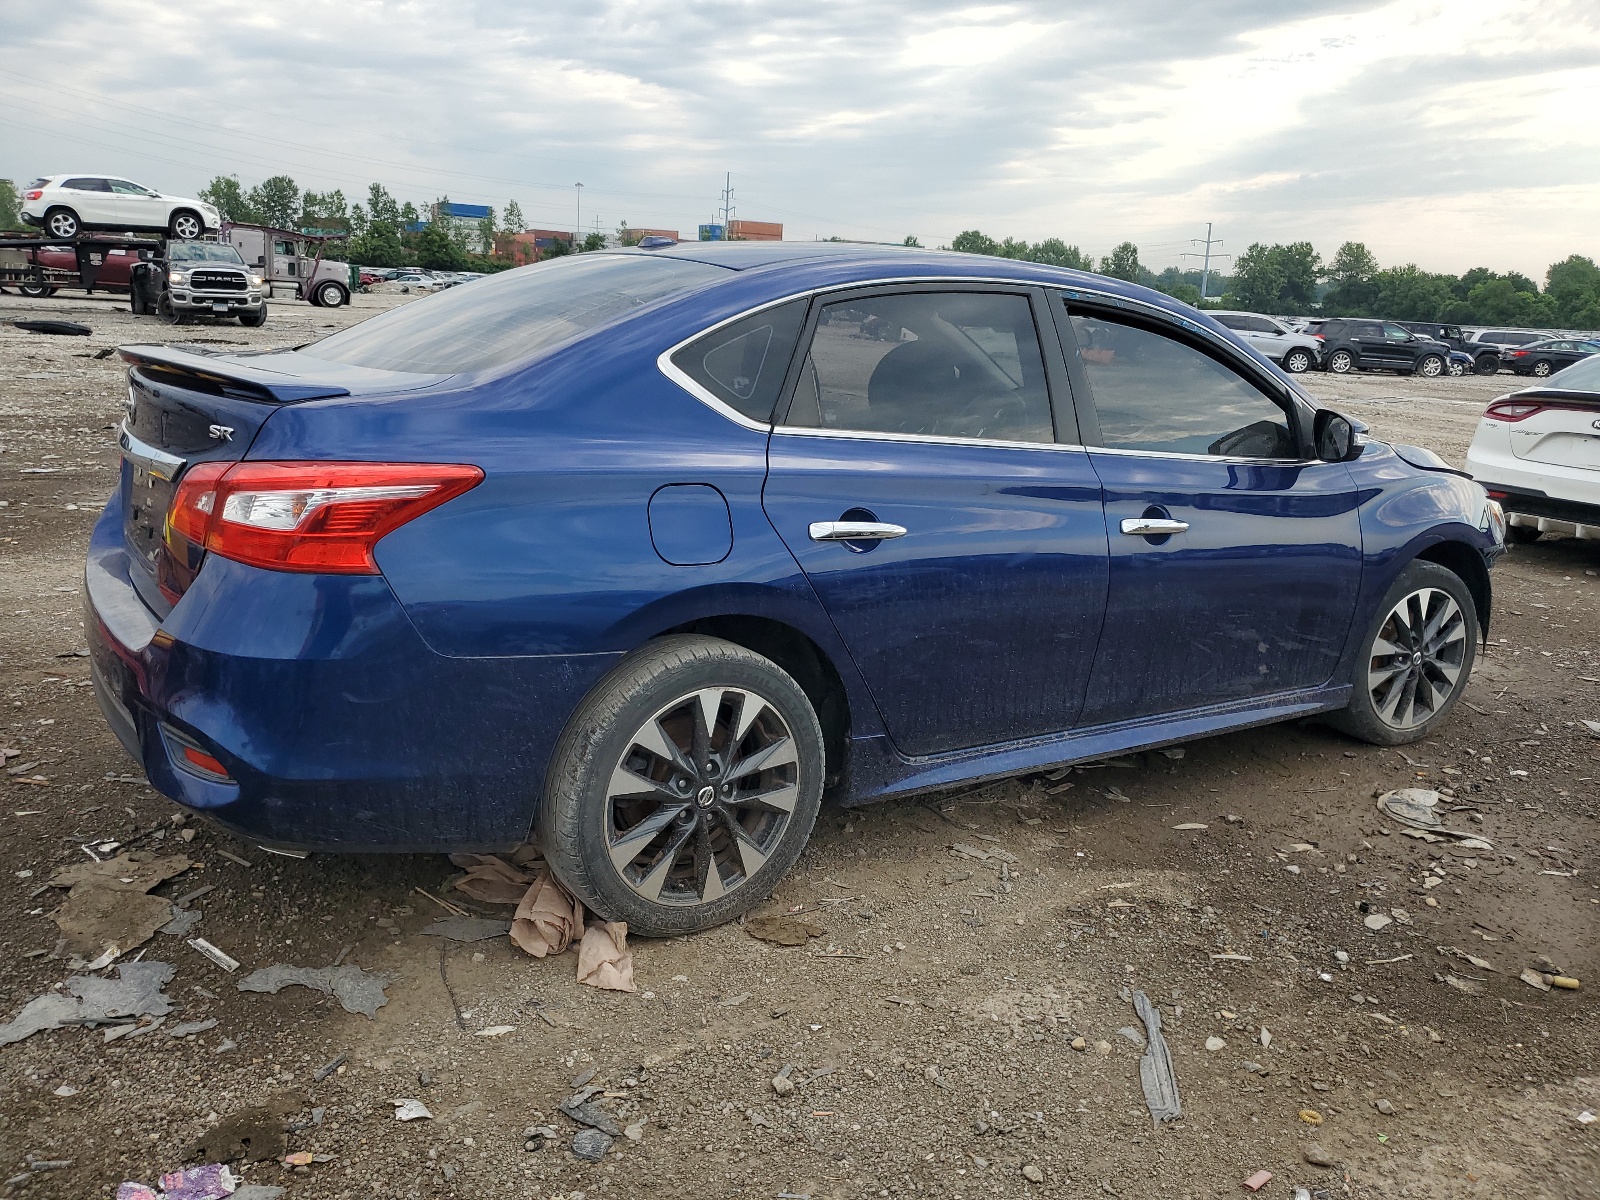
pixel 330 295
pixel 253 318
pixel 684 787
pixel 1415 660
pixel 168 313
pixel 1488 364
pixel 1456 369
pixel 1341 362
pixel 185 225
pixel 1297 362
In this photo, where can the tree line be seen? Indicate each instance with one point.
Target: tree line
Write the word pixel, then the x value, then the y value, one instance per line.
pixel 1294 280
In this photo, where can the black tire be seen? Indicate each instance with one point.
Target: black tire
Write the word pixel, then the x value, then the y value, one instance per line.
pixel 1341 362
pixel 1487 364
pixel 654 691
pixel 330 295
pixel 1523 535
pixel 253 318
pixel 62 223
pixel 186 225
pixel 1297 361
pixel 36 291
pixel 1542 368
pixel 167 313
pixel 1430 366
pixel 1457 638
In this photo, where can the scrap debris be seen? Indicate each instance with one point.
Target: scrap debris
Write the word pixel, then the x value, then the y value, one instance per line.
pixel 356 990
pixel 255 1134
pixel 604 960
pixel 107 910
pixel 1417 808
pixel 1156 1076
pixel 468 929
pixel 783 931
pixel 95 1001
pixel 547 919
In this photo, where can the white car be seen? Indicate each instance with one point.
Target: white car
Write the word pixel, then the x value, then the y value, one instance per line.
pixel 66 205
pixel 1295 352
pixel 1537 452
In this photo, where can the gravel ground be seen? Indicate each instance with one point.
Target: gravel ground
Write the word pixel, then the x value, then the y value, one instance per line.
pixel 934 1026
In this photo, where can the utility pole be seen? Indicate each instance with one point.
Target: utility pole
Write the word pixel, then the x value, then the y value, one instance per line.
pixel 1205 270
pixel 577 230
pixel 727 205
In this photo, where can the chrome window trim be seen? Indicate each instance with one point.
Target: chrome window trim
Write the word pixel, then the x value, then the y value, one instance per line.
pixel 668 368
pixel 1216 458
pixel 933 439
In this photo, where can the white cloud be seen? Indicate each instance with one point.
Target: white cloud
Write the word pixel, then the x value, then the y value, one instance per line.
pixel 1450 134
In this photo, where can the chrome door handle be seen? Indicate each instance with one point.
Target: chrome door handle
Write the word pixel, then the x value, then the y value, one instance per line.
pixel 1153 526
pixel 854 531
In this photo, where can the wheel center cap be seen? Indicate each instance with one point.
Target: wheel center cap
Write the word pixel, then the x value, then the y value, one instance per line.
pixel 705 796
pixel 1416 658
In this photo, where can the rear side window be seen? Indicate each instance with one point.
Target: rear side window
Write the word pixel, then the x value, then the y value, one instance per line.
pixel 87 185
pixel 743 363
pixel 512 315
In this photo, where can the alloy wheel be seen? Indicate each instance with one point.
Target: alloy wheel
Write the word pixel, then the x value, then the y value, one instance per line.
pixel 186 227
pixel 1431 366
pixel 1541 369
pixel 62 225
pixel 1416 660
pixel 1340 362
pixel 1297 361
pixel 702 796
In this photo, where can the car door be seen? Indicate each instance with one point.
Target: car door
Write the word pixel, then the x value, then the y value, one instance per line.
pixel 1404 348
pixel 957 543
pixel 1272 338
pixel 1235 556
pixel 137 206
pixel 90 197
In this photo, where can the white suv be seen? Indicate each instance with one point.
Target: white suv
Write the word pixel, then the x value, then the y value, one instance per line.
pixel 1295 352
pixel 67 205
pixel 1537 452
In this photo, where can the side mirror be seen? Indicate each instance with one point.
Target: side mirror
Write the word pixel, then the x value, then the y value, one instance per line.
pixel 1335 437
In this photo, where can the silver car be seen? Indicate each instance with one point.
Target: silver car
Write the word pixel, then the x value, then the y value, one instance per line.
pixel 1295 352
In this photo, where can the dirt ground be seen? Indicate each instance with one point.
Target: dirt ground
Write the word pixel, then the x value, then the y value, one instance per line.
pixel 932 1027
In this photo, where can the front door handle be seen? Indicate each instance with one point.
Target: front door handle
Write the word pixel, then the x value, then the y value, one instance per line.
pixel 1153 526
pixel 855 531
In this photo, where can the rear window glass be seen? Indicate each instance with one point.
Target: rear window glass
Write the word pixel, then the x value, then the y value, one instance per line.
pixel 1581 376
pixel 512 315
pixel 743 363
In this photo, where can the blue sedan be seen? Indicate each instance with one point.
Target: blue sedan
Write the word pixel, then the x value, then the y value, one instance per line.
pixel 639 554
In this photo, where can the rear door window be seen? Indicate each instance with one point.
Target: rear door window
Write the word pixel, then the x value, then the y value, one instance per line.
pixel 1155 393
pixel 743 364
pixel 87 184
pixel 513 315
pixel 928 364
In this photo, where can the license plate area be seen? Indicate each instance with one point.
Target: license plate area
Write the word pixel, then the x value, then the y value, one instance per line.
pixel 219 306
pixel 149 498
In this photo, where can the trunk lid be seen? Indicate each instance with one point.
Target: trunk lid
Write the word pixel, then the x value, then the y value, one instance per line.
pixel 185 406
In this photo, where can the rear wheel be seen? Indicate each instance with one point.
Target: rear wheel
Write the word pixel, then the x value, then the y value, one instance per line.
pixel 62 223
pixel 1416 658
pixel 1297 361
pixel 1341 362
pixel 186 225
pixel 1431 366
pixel 1542 368
pixel 37 290
pixel 684 787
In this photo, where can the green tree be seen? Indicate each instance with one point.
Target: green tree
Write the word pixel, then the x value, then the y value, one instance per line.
pixel 378 245
pixel 972 241
pixel 276 201
pixel 1276 278
pixel 513 222
pixel 558 248
pixel 627 236
pixel 226 195
pixel 486 232
pixel 1499 302
pixel 381 205
pixel 10 206
pixel 437 249
pixel 1122 262
pixel 1574 286
pixel 595 241
pixel 1057 253
pixel 911 240
pixel 1409 293
pixel 1014 248
pixel 1351 291
pixel 408 215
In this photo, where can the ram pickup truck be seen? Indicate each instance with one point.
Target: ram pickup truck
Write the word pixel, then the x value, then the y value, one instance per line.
pixel 199 277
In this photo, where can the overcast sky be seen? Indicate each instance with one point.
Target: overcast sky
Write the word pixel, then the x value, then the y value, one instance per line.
pixel 1453 134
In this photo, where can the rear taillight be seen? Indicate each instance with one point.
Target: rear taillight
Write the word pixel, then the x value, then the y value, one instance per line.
pixel 1512 410
pixel 1516 353
pixel 308 516
pixel 1319 337
pixel 33 195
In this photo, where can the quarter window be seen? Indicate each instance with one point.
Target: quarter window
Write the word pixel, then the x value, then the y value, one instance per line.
pixel 743 363
pixel 1155 393
pixel 934 364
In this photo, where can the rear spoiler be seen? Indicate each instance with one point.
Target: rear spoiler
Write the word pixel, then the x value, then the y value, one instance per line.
pixel 201 370
pixel 1570 398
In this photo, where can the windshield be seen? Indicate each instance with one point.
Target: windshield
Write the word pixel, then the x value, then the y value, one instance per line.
pixel 1581 376
pixel 203 252
pixel 511 315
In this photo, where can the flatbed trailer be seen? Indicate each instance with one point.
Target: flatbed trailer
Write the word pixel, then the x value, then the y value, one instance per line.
pixel 20 265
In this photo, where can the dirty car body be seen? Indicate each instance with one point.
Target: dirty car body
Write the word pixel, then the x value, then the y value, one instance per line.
pixel 989 516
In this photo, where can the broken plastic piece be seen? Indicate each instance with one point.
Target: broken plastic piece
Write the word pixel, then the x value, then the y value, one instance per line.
pixel 411 1110
pixel 353 988
pixel 1156 1075
pixel 226 962
pixel 1258 1181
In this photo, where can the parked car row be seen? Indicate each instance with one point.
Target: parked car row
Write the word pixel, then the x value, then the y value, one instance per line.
pixel 416 279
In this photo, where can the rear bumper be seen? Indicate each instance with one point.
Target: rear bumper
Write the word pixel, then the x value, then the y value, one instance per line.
pixel 1534 509
pixel 339 728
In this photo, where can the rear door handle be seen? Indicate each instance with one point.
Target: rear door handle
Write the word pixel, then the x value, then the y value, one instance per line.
pixel 1153 526
pixel 854 531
